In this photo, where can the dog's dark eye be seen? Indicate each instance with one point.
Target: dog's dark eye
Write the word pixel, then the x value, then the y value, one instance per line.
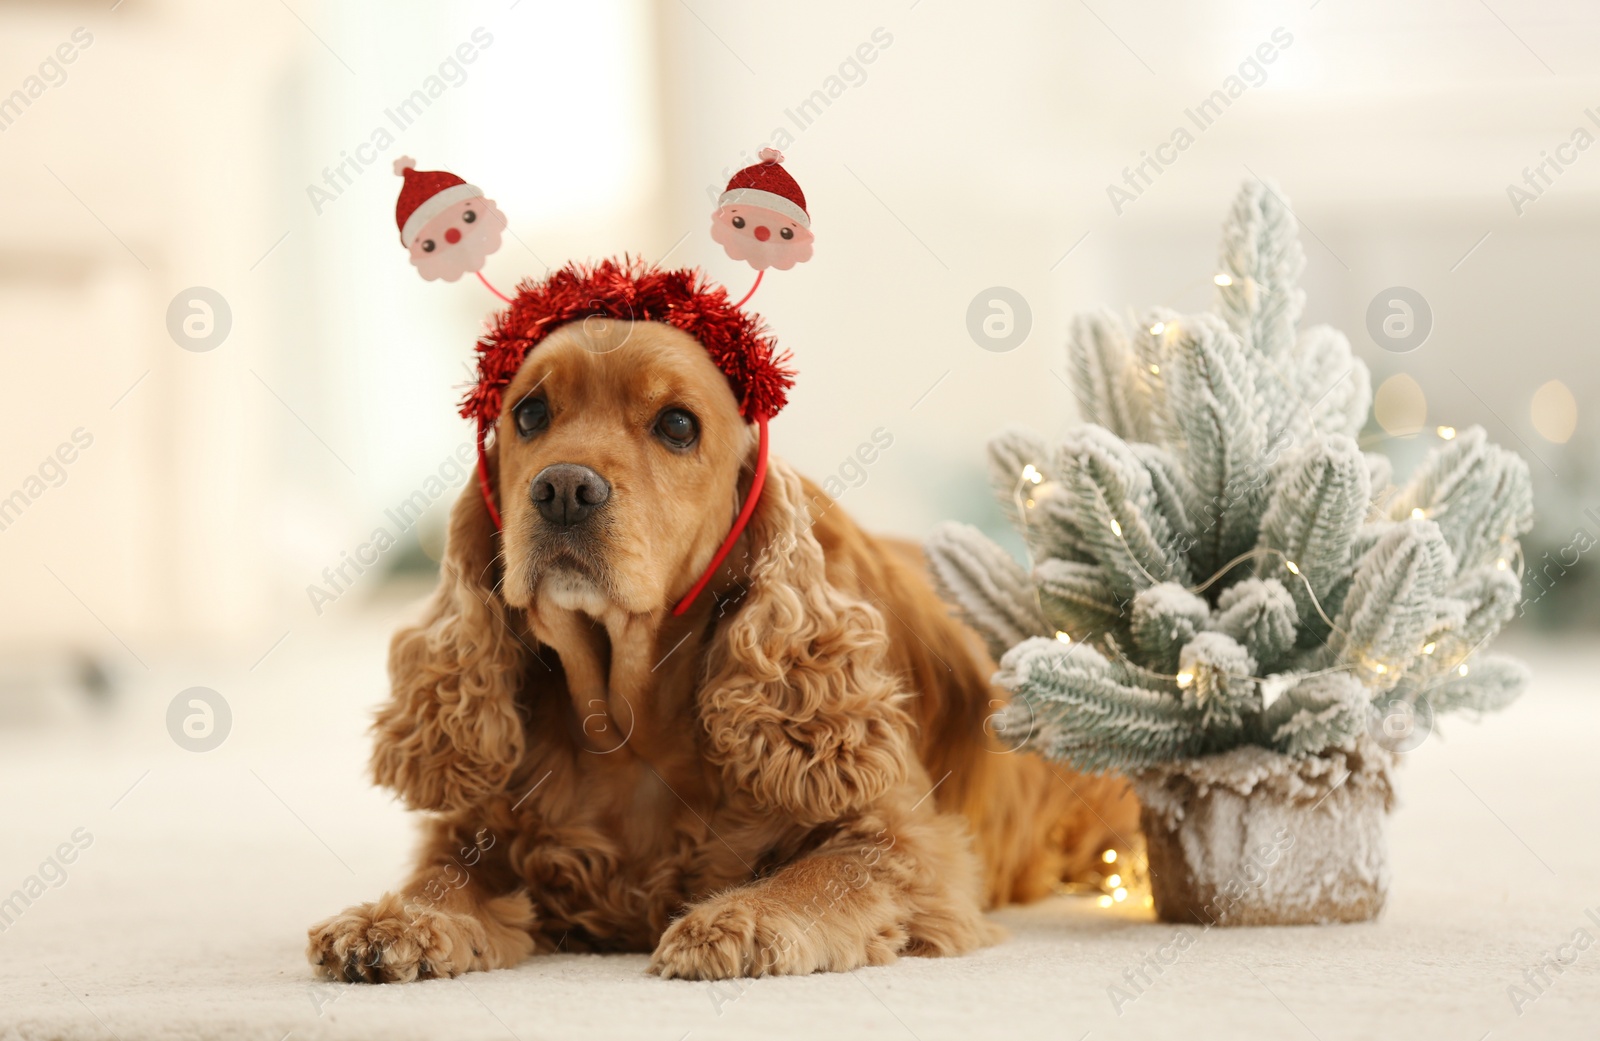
pixel 427 245
pixel 532 416
pixel 468 217
pixel 787 233
pixel 677 428
pixel 738 222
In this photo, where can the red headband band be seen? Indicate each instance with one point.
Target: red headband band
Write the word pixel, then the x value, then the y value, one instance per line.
pixel 631 290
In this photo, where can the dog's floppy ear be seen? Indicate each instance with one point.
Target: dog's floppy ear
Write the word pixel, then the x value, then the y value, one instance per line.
pixel 450 735
pixel 800 707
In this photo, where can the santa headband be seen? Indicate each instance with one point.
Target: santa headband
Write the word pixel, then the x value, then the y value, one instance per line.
pixel 433 207
pixel 630 290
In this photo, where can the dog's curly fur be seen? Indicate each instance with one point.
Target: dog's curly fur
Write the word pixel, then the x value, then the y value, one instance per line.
pixel 793 776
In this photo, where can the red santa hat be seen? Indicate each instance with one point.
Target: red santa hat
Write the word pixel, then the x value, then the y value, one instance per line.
pixel 768 185
pixel 425 195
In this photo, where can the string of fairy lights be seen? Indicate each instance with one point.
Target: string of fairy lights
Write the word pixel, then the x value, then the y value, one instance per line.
pixel 1030 485
pixel 1124 877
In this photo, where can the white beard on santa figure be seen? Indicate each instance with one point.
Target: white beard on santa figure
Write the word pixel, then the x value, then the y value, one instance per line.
pixel 746 244
pixel 450 260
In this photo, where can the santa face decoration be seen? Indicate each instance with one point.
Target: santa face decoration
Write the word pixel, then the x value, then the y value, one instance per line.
pixel 446 224
pixel 761 218
pixel 761 237
pixel 458 241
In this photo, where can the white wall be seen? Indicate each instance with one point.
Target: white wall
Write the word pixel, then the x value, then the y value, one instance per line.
pixel 185 137
pixel 973 151
pixel 991 132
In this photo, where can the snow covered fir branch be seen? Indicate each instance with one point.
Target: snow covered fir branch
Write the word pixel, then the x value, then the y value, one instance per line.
pixel 1214 561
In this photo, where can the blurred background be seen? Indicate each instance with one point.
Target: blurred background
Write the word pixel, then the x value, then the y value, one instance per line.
pixel 246 149
pixel 221 373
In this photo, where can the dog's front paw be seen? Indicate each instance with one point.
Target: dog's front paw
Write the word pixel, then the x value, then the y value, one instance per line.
pixel 386 942
pixel 740 935
pixel 724 938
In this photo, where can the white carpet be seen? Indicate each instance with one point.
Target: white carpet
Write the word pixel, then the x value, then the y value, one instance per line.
pixel 186 916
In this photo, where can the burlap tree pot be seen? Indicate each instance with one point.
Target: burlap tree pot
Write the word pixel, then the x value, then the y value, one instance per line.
pixel 1252 837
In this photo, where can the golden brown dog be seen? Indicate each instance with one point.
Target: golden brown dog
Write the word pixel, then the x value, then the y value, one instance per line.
pixel 793 776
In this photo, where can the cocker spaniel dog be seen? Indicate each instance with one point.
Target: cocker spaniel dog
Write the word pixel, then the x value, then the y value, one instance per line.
pixel 793 775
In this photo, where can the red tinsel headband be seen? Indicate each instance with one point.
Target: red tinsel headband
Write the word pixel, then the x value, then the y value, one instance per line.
pixel 630 290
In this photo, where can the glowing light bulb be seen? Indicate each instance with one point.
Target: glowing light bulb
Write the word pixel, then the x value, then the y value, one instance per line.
pixel 1158 328
pixel 1463 670
pixel 1116 529
pixel 1032 474
pixel 1114 881
pixel 1063 637
pixel 1223 280
pixel 1155 370
pixel 1501 564
pixel 1184 678
pixel 1418 513
pixel 1429 648
pixel 1104 901
pixel 1380 668
pixel 1119 894
pixel 1294 569
pixel 1447 433
pixel 1109 856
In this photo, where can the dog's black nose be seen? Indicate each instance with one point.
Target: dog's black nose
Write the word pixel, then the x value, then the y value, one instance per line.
pixel 566 493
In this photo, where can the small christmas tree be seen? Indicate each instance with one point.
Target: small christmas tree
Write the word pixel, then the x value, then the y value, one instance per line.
pixel 1215 561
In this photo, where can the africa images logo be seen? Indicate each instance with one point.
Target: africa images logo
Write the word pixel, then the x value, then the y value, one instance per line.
pixel 52 73
pixel 450 73
pixel 337 579
pixel 1252 72
pixel 52 873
